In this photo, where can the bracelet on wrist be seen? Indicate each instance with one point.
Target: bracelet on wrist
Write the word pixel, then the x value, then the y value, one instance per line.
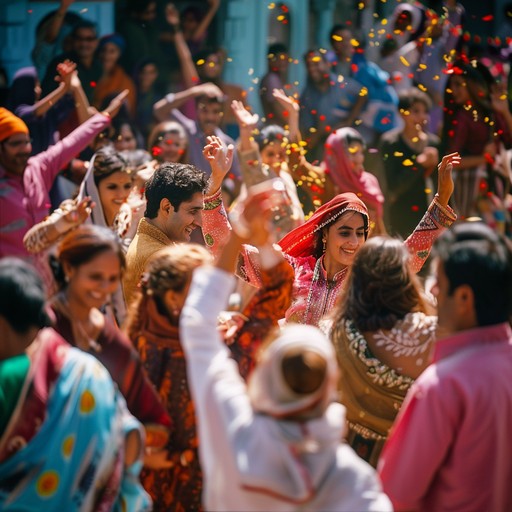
pixel 170 97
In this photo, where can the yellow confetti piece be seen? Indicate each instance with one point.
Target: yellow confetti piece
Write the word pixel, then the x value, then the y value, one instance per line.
pixel 428 191
pixel 436 77
pixel 360 6
pixel 415 139
pixel 271 5
pixel 363 92
pixel 316 58
pixel 398 154
pixel 355 43
pixel 503 97
pixel 407 162
pixel 403 60
pixel 337 38
pixel 312 129
pixel 281 17
pixel 422 66
pixel 200 62
pixel 384 21
pixel 421 87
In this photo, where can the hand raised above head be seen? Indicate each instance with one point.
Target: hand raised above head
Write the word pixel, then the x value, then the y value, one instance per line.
pixel 251 219
pixel 115 105
pixel 245 119
pixel 445 184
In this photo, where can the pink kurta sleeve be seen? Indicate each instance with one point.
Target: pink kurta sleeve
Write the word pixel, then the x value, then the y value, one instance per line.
pixel 51 161
pixel 216 226
pixel 436 220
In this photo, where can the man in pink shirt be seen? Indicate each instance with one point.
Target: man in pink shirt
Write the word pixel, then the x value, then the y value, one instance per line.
pixel 25 181
pixel 451 445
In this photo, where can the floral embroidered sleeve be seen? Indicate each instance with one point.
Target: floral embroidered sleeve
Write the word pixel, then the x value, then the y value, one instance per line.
pixel 264 311
pixel 41 236
pixel 216 226
pixel 437 218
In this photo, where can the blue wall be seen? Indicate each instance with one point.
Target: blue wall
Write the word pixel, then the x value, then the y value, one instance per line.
pixel 19 19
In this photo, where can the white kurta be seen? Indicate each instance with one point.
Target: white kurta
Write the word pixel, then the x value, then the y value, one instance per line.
pixel 252 461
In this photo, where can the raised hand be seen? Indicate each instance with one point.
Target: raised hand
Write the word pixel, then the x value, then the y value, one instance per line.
pixel 251 218
pixel 116 103
pixel 220 158
pixel 245 119
pixel 445 177
pixel 287 102
pixel 172 15
pixel 65 72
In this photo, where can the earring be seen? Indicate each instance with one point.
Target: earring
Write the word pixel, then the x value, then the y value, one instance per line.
pixel 324 242
pixel 66 278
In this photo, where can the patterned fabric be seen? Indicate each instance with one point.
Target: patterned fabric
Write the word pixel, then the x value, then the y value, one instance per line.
pixel 314 295
pixel 25 200
pixel 179 488
pixel 64 445
pixel 264 311
pixel 371 390
pixel 149 239
pixel 113 349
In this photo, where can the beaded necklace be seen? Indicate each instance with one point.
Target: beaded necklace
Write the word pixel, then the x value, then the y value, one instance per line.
pixel 312 287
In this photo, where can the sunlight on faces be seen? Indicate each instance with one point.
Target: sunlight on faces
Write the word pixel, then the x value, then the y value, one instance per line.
pixel 417 115
pixel 343 239
pixel 209 116
pixel 91 284
pixel 274 154
pixel 211 67
pixel 114 191
pixel 15 152
pixel 126 139
pixel 178 226
pixel 171 147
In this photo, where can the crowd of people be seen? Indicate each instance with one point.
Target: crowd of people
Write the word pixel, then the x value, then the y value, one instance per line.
pixel 204 308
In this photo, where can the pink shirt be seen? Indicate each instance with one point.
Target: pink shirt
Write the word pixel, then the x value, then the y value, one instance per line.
pixel 451 445
pixel 24 200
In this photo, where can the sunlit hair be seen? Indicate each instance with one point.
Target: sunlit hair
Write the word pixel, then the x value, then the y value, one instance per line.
pixel 168 269
pixel 381 288
pixel 82 245
pixel 108 161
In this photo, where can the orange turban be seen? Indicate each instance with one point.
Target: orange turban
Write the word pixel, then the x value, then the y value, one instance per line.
pixel 10 124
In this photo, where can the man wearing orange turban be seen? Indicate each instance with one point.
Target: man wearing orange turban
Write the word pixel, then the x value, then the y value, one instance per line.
pixel 10 124
pixel 25 180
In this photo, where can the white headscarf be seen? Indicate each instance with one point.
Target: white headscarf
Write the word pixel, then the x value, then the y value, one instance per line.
pixel 267 389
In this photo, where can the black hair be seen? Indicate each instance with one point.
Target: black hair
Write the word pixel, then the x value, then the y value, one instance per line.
pixel 175 182
pixel 84 24
pixel 472 254
pixel 107 161
pixel 337 28
pixel 316 52
pixel 276 49
pixel 407 98
pixel 22 296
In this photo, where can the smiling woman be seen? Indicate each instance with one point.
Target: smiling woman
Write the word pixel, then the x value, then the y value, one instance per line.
pixel 90 262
